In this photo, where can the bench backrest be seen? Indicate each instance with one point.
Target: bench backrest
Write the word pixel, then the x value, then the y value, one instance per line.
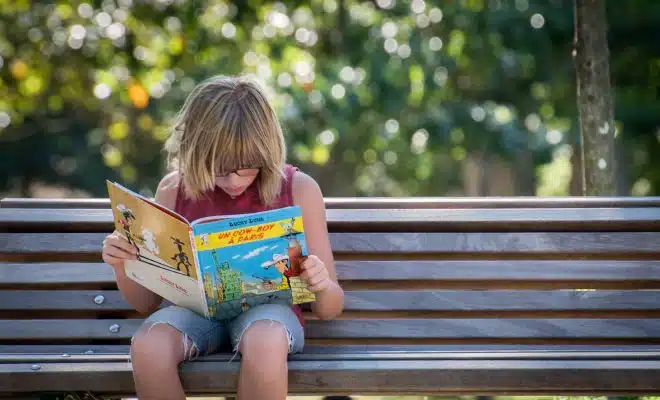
pixel 455 272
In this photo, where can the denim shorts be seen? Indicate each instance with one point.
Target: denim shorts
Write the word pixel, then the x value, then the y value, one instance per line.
pixel 212 336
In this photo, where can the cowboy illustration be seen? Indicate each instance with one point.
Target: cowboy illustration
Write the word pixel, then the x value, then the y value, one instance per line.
pixel 205 239
pixel 125 221
pixel 282 263
pixel 180 257
pixel 288 227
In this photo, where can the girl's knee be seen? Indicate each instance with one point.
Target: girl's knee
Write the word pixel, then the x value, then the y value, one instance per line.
pixel 265 339
pixel 159 344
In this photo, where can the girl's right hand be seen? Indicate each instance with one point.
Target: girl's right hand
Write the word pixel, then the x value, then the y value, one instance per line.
pixel 116 249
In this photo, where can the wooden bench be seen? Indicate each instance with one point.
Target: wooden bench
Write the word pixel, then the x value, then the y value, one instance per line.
pixel 471 296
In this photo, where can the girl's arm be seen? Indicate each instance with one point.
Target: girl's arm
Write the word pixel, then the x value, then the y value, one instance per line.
pixel 307 194
pixel 141 298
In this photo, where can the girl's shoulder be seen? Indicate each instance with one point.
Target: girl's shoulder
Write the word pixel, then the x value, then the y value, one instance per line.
pixel 167 190
pixel 301 182
pixel 306 192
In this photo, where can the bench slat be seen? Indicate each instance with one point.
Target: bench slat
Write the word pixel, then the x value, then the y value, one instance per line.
pixel 375 300
pixel 383 243
pixel 75 274
pixel 60 349
pixel 371 354
pixel 65 273
pixel 322 351
pixel 390 202
pixel 66 300
pixel 582 219
pixel 458 328
pixel 499 300
pixel 474 270
pixel 490 242
pixel 449 377
pixel 486 328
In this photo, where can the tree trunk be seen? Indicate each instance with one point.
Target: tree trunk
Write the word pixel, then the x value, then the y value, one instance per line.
pixel 591 57
pixel 577 180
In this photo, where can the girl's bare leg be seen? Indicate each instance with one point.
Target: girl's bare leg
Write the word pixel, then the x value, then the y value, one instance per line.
pixel 264 376
pixel 156 352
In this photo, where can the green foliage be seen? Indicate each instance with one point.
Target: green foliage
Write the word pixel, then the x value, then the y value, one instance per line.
pixel 375 100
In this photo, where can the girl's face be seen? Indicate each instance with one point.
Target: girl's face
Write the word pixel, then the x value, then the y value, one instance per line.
pixel 235 182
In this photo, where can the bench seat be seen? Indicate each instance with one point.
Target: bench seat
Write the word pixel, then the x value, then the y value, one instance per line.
pixel 443 297
pixel 431 369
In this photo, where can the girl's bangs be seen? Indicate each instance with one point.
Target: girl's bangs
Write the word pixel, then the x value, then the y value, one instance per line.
pixel 240 151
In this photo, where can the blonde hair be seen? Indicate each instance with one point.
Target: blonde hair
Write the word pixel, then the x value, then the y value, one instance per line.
pixel 227 123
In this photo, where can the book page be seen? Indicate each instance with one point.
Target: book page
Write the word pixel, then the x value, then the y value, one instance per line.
pixel 252 259
pixel 149 201
pixel 165 263
pixel 178 289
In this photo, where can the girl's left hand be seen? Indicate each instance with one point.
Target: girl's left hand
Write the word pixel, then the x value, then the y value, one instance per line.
pixel 315 274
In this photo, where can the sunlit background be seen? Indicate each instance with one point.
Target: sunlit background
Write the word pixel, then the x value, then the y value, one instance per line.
pixel 378 98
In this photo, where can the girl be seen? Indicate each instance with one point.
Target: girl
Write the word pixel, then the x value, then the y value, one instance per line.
pixel 228 154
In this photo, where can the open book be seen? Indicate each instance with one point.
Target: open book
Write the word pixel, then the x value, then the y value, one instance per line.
pixel 217 266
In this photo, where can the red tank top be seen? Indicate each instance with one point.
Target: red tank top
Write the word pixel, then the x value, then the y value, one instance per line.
pixel 218 202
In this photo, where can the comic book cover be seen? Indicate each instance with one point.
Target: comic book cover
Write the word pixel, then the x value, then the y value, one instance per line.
pixel 252 259
pixel 165 262
pixel 218 266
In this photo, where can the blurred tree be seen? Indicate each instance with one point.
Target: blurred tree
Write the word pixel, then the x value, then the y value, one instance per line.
pixel 599 169
pixel 377 97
